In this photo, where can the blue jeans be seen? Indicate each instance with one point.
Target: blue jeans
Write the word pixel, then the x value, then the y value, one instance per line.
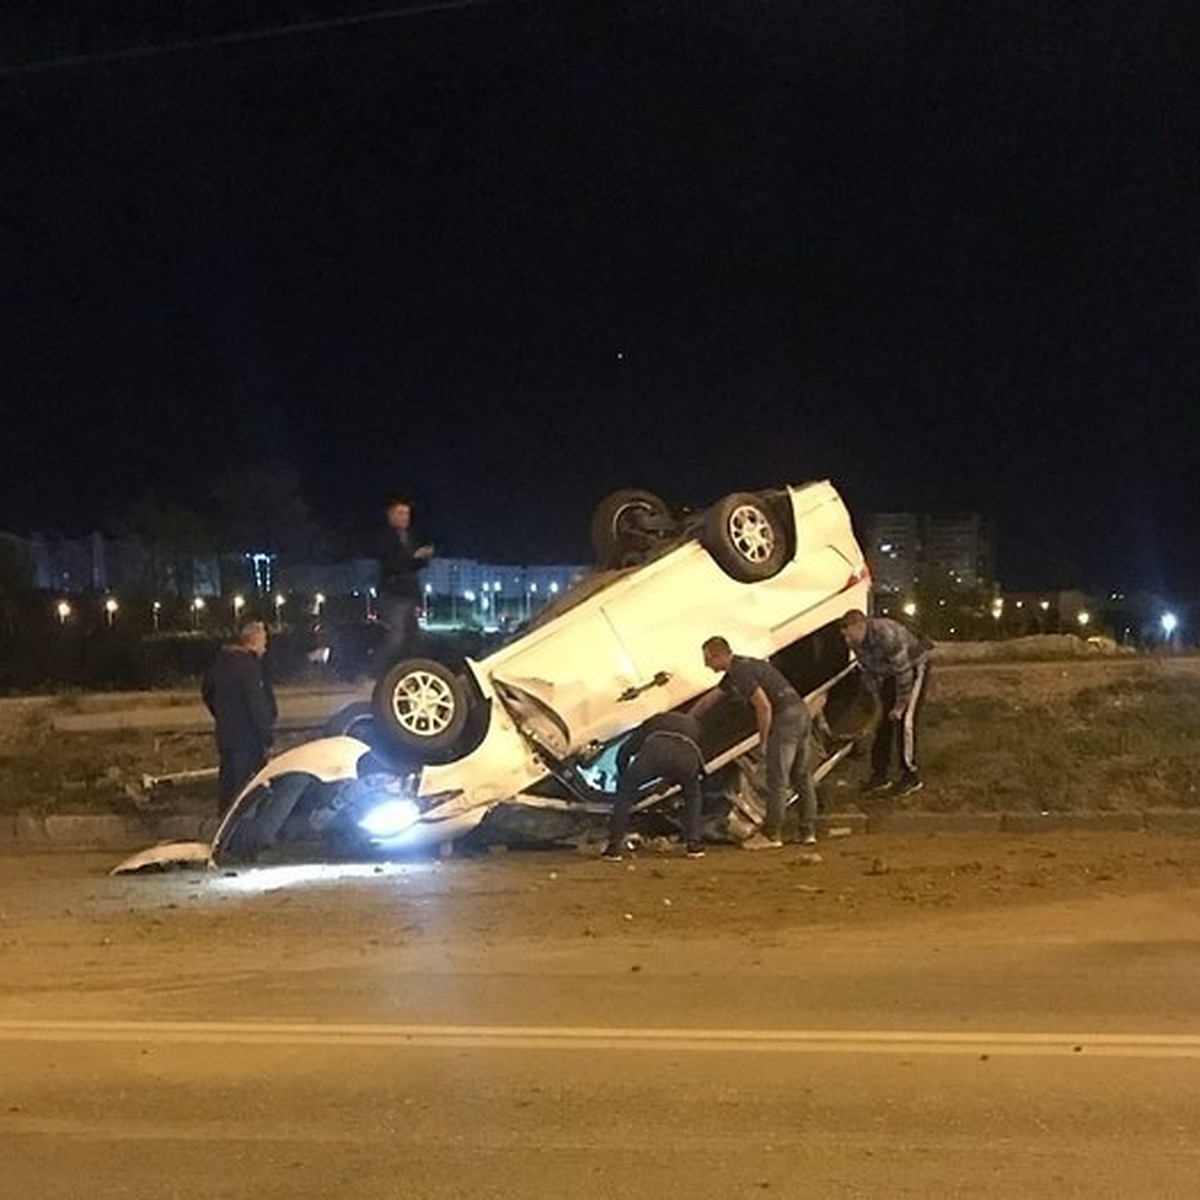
pixel 789 769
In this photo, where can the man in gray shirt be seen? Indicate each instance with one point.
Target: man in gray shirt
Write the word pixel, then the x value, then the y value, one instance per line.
pixel 783 722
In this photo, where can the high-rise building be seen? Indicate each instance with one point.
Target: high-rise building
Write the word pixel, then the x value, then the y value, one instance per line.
pixel 930 551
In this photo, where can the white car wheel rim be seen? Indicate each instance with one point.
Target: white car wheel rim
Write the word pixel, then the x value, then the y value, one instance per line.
pixel 423 704
pixel 751 533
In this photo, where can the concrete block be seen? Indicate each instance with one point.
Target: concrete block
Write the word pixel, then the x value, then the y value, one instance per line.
pixel 30 829
pixel 856 822
pixel 178 827
pixel 934 822
pixel 105 831
pixel 1074 822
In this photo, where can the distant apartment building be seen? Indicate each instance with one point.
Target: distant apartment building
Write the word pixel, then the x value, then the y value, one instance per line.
pixel 958 552
pixel 893 549
pixel 907 551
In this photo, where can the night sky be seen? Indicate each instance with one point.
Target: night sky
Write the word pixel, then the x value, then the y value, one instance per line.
pixel 509 256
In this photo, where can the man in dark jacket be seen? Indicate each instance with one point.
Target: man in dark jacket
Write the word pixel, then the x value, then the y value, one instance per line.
pixel 665 747
pixel 401 561
pixel 895 666
pixel 239 696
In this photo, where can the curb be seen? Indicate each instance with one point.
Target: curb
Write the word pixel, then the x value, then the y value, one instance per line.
pixel 1107 822
pixel 931 822
pixel 107 831
pixel 111 831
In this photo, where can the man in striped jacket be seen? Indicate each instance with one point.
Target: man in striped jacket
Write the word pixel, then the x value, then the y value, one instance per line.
pixel 895 666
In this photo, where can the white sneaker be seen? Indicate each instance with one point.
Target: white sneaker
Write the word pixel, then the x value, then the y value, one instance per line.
pixel 809 839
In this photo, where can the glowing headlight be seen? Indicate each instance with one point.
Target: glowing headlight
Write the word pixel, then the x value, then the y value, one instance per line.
pixel 390 818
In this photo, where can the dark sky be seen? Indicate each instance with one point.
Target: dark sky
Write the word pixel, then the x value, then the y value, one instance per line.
pixel 510 256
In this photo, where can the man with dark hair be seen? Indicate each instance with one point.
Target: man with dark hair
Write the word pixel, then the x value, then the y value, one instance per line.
pixel 895 666
pixel 401 561
pixel 237 693
pixel 665 747
pixel 783 722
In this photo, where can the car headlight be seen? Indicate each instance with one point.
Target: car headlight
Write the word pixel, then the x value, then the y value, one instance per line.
pixel 390 818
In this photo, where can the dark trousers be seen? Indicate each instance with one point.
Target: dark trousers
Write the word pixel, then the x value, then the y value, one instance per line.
pixel 399 615
pixel 671 759
pixel 899 733
pixel 238 765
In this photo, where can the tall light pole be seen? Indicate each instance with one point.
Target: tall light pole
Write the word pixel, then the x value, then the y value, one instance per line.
pixel 156 613
pixel 279 603
pixel 238 603
pixel 197 609
pixel 110 610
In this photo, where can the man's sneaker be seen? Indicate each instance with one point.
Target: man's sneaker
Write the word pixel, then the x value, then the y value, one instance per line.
pixel 875 785
pixel 760 841
pixel 809 839
pixel 611 854
pixel 908 785
pixel 695 850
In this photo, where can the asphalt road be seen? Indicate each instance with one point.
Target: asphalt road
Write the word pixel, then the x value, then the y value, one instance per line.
pixel 946 1017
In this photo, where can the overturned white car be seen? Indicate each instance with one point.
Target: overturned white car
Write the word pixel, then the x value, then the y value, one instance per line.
pixel 445 750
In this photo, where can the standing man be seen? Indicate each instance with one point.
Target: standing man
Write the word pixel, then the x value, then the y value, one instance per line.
pixel 401 561
pixel 237 693
pixel 783 722
pixel 667 747
pixel 895 666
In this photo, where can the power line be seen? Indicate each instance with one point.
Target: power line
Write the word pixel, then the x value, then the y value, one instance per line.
pixel 230 39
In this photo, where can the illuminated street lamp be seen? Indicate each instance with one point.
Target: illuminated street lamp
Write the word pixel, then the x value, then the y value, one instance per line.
pixel 197 609
pixel 1083 619
pixel 64 611
pixel 239 602
pixel 910 609
pixel 156 613
pixel 1169 622
pixel 279 603
pixel 110 610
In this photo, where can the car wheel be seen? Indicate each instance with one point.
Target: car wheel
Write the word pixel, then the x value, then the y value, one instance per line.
pixel 421 706
pixel 745 538
pixel 628 525
pixel 357 720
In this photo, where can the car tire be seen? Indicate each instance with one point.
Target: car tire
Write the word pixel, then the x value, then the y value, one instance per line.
pixel 628 525
pixel 421 707
pixel 745 538
pixel 357 720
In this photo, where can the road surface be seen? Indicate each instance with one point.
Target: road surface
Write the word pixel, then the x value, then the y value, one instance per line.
pixel 984 1017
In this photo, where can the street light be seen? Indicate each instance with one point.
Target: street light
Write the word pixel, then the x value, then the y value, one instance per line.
pixel 64 611
pixel 197 609
pixel 318 603
pixel 1083 619
pixel 1169 622
pixel 279 602
pixel 110 610
pixel 910 609
pixel 239 602
pixel 156 613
